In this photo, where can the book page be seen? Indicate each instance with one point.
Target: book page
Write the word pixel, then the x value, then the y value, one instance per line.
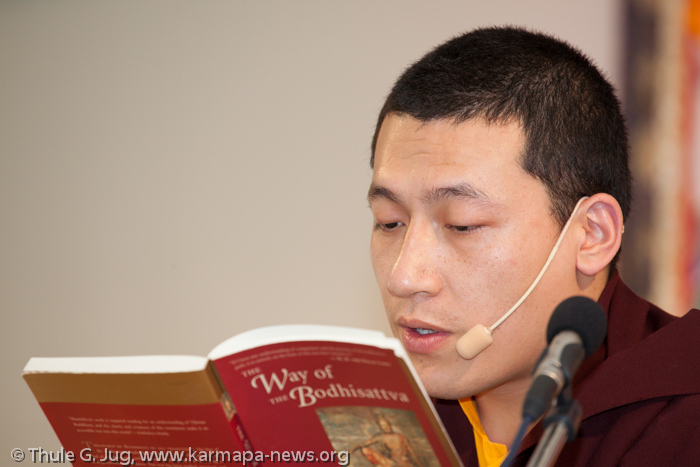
pixel 301 332
pixel 128 364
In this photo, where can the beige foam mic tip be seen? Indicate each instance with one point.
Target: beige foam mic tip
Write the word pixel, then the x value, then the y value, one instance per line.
pixel 474 342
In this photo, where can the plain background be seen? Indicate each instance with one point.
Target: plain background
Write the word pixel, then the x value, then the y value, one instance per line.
pixel 175 172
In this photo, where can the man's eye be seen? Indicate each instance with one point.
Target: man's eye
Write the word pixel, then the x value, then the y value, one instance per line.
pixel 389 226
pixel 464 228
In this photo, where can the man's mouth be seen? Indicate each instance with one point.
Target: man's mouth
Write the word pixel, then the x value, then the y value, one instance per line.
pixel 420 339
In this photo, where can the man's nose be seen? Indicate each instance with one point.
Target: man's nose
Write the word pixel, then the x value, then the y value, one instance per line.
pixel 416 270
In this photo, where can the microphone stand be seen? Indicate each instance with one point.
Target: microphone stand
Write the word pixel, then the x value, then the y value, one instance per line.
pixel 561 426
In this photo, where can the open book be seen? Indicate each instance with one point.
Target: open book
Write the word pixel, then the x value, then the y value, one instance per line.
pixel 286 394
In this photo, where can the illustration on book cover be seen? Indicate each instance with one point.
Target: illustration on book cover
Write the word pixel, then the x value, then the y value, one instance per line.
pixel 377 436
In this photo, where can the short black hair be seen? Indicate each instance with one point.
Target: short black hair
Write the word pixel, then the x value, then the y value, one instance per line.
pixel 575 134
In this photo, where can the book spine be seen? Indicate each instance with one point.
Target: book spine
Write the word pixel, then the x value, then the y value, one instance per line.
pixel 233 418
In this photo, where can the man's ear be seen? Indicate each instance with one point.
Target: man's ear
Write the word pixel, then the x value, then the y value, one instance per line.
pixel 601 221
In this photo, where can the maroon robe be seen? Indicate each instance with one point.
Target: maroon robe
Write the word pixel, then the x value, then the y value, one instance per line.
pixel 640 392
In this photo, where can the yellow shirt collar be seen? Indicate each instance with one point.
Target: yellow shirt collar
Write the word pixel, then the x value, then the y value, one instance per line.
pixel 489 454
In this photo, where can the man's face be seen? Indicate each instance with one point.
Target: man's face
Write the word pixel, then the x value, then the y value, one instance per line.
pixel 461 231
pixel 385 426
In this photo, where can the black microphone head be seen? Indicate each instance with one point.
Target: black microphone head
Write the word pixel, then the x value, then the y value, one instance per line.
pixel 582 316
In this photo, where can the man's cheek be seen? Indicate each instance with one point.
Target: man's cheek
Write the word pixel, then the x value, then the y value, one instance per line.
pixel 428 377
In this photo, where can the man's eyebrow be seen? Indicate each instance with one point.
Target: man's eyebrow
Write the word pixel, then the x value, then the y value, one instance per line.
pixel 376 192
pixel 464 191
pixel 461 191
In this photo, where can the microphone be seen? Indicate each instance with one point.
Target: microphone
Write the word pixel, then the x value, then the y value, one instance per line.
pixel 576 329
pixel 478 338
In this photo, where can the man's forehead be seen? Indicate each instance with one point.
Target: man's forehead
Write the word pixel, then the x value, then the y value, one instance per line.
pixel 446 139
pixel 437 160
pixel 395 121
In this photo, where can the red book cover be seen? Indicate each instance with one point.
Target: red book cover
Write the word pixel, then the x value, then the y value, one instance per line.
pixel 319 390
pixel 135 411
pixel 280 395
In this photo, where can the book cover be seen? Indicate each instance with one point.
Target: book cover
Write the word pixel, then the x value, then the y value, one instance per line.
pixel 286 394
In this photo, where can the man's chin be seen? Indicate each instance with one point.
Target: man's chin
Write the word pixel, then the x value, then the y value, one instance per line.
pixel 443 386
pixel 441 392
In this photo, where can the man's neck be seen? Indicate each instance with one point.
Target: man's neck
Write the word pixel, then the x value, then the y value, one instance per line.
pixel 500 410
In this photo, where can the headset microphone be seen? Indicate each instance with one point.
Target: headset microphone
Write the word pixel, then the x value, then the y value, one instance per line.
pixel 478 338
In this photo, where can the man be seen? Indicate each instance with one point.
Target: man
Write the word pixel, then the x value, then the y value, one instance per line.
pixel 482 151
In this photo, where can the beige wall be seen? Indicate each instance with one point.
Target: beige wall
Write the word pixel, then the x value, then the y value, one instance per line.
pixel 175 172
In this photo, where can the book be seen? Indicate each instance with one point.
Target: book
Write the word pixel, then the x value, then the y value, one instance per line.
pixel 284 394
